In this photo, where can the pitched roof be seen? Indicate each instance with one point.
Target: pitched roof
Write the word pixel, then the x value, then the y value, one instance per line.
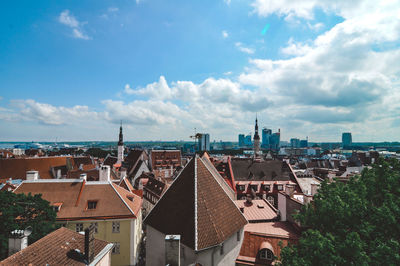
pixel 53 249
pixel 257 210
pixel 196 207
pixel 113 201
pixel 16 167
pixel 110 160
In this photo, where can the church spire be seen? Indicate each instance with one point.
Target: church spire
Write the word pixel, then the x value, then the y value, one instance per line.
pixel 256 140
pixel 121 141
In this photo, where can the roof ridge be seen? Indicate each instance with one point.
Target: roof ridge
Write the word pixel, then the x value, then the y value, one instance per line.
pixel 195 204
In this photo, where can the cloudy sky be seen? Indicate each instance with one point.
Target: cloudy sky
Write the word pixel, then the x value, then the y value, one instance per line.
pixel 72 70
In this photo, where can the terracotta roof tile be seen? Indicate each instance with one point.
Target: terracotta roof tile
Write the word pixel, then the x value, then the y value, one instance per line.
pixel 258 210
pixel 75 194
pixel 52 249
pixel 16 167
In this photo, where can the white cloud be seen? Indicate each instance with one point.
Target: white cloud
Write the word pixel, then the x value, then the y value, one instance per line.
pixel 316 26
pixel 69 20
pixel 225 34
pixel 296 49
pixel 244 49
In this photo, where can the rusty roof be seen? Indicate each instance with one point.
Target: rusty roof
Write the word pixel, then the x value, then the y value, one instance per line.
pixel 113 201
pixel 277 229
pixel 196 207
pixel 53 249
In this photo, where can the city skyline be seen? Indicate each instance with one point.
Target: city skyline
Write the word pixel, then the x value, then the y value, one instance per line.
pixel 73 71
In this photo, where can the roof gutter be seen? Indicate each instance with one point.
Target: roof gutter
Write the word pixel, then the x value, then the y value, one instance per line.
pixel 101 254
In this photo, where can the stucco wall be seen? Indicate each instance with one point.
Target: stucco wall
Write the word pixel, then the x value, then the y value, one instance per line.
pixel 155 251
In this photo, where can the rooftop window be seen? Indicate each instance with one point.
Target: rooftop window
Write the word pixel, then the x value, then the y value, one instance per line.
pixel 266 254
pixel 92 204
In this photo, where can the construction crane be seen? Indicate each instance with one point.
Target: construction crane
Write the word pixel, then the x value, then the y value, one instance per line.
pixel 196 137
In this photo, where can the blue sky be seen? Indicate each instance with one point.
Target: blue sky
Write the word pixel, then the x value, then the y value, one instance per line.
pixel 74 69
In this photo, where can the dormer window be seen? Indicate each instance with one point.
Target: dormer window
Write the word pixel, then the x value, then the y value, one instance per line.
pixel 279 187
pixel 254 187
pixel 266 254
pixel 57 206
pixel 92 204
pixel 266 187
pixel 241 187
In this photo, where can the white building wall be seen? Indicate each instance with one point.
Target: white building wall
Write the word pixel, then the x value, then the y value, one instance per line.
pixel 156 244
pixel 120 154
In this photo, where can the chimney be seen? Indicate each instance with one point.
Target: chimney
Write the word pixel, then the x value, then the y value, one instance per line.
pixel 32 175
pixel 104 174
pixel 89 244
pixel 18 241
pixel 289 190
pixel 122 173
pixel 314 188
pixel 58 174
pixel 172 250
pixel 83 176
pixel 81 167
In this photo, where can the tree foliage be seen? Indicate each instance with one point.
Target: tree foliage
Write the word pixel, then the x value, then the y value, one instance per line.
pixel 353 223
pixel 18 211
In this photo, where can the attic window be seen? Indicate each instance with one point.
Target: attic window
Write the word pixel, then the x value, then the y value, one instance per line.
pixel 57 206
pixel 130 198
pixel 92 204
pixel 266 187
pixel 254 187
pixel 279 187
pixel 240 187
pixel 266 254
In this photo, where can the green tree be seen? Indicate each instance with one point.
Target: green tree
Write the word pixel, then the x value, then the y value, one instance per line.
pixel 353 223
pixel 18 211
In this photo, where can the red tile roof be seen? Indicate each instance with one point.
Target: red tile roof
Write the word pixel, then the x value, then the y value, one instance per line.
pixel 196 207
pixel 16 167
pixel 53 249
pixel 113 201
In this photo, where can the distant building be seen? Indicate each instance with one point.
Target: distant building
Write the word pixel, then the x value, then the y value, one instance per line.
pixel 346 139
pixel 204 142
pixel 275 140
pixel 241 140
pixel 266 134
pixel 247 140
pixel 304 143
pixel 294 143
pixel 120 147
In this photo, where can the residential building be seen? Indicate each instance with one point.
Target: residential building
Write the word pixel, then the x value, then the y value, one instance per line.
pixel 165 162
pixel 63 247
pixel 195 212
pixel 152 192
pixel 114 210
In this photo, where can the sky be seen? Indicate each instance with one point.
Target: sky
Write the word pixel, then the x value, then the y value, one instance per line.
pixel 72 70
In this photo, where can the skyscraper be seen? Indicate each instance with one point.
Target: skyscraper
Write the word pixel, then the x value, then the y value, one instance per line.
pixel 346 139
pixel 204 142
pixel 241 140
pixel 266 134
pixel 256 140
pixel 295 143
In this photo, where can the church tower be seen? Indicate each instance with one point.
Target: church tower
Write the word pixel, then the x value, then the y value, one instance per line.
pixel 120 146
pixel 256 140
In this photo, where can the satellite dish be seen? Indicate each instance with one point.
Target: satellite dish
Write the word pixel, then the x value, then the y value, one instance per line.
pixel 28 231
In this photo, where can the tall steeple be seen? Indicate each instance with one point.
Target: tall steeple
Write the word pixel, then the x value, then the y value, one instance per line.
pixel 256 140
pixel 120 146
pixel 120 142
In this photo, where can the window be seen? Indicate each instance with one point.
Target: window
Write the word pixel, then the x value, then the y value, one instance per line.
pixel 238 235
pixel 266 254
pixel 63 225
pixel 266 187
pixel 79 227
pixel 115 227
pixel 115 249
pixel 221 251
pixel 240 187
pixel 254 187
pixel 95 227
pixel 56 208
pixel 271 200
pixel 92 204
pixel 279 187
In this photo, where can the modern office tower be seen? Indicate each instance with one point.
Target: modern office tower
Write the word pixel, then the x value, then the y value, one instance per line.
pixel 241 140
pixel 275 140
pixel 266 134
pixel 346 139
pixel 295 143
pixel 204 142
pixel 247 140
pixel 304 143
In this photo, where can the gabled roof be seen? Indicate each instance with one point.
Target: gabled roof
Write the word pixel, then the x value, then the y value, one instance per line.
pixel 113 201
pixel 196 207
pixel 247 169
pixel 53 249
pixel 110 160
